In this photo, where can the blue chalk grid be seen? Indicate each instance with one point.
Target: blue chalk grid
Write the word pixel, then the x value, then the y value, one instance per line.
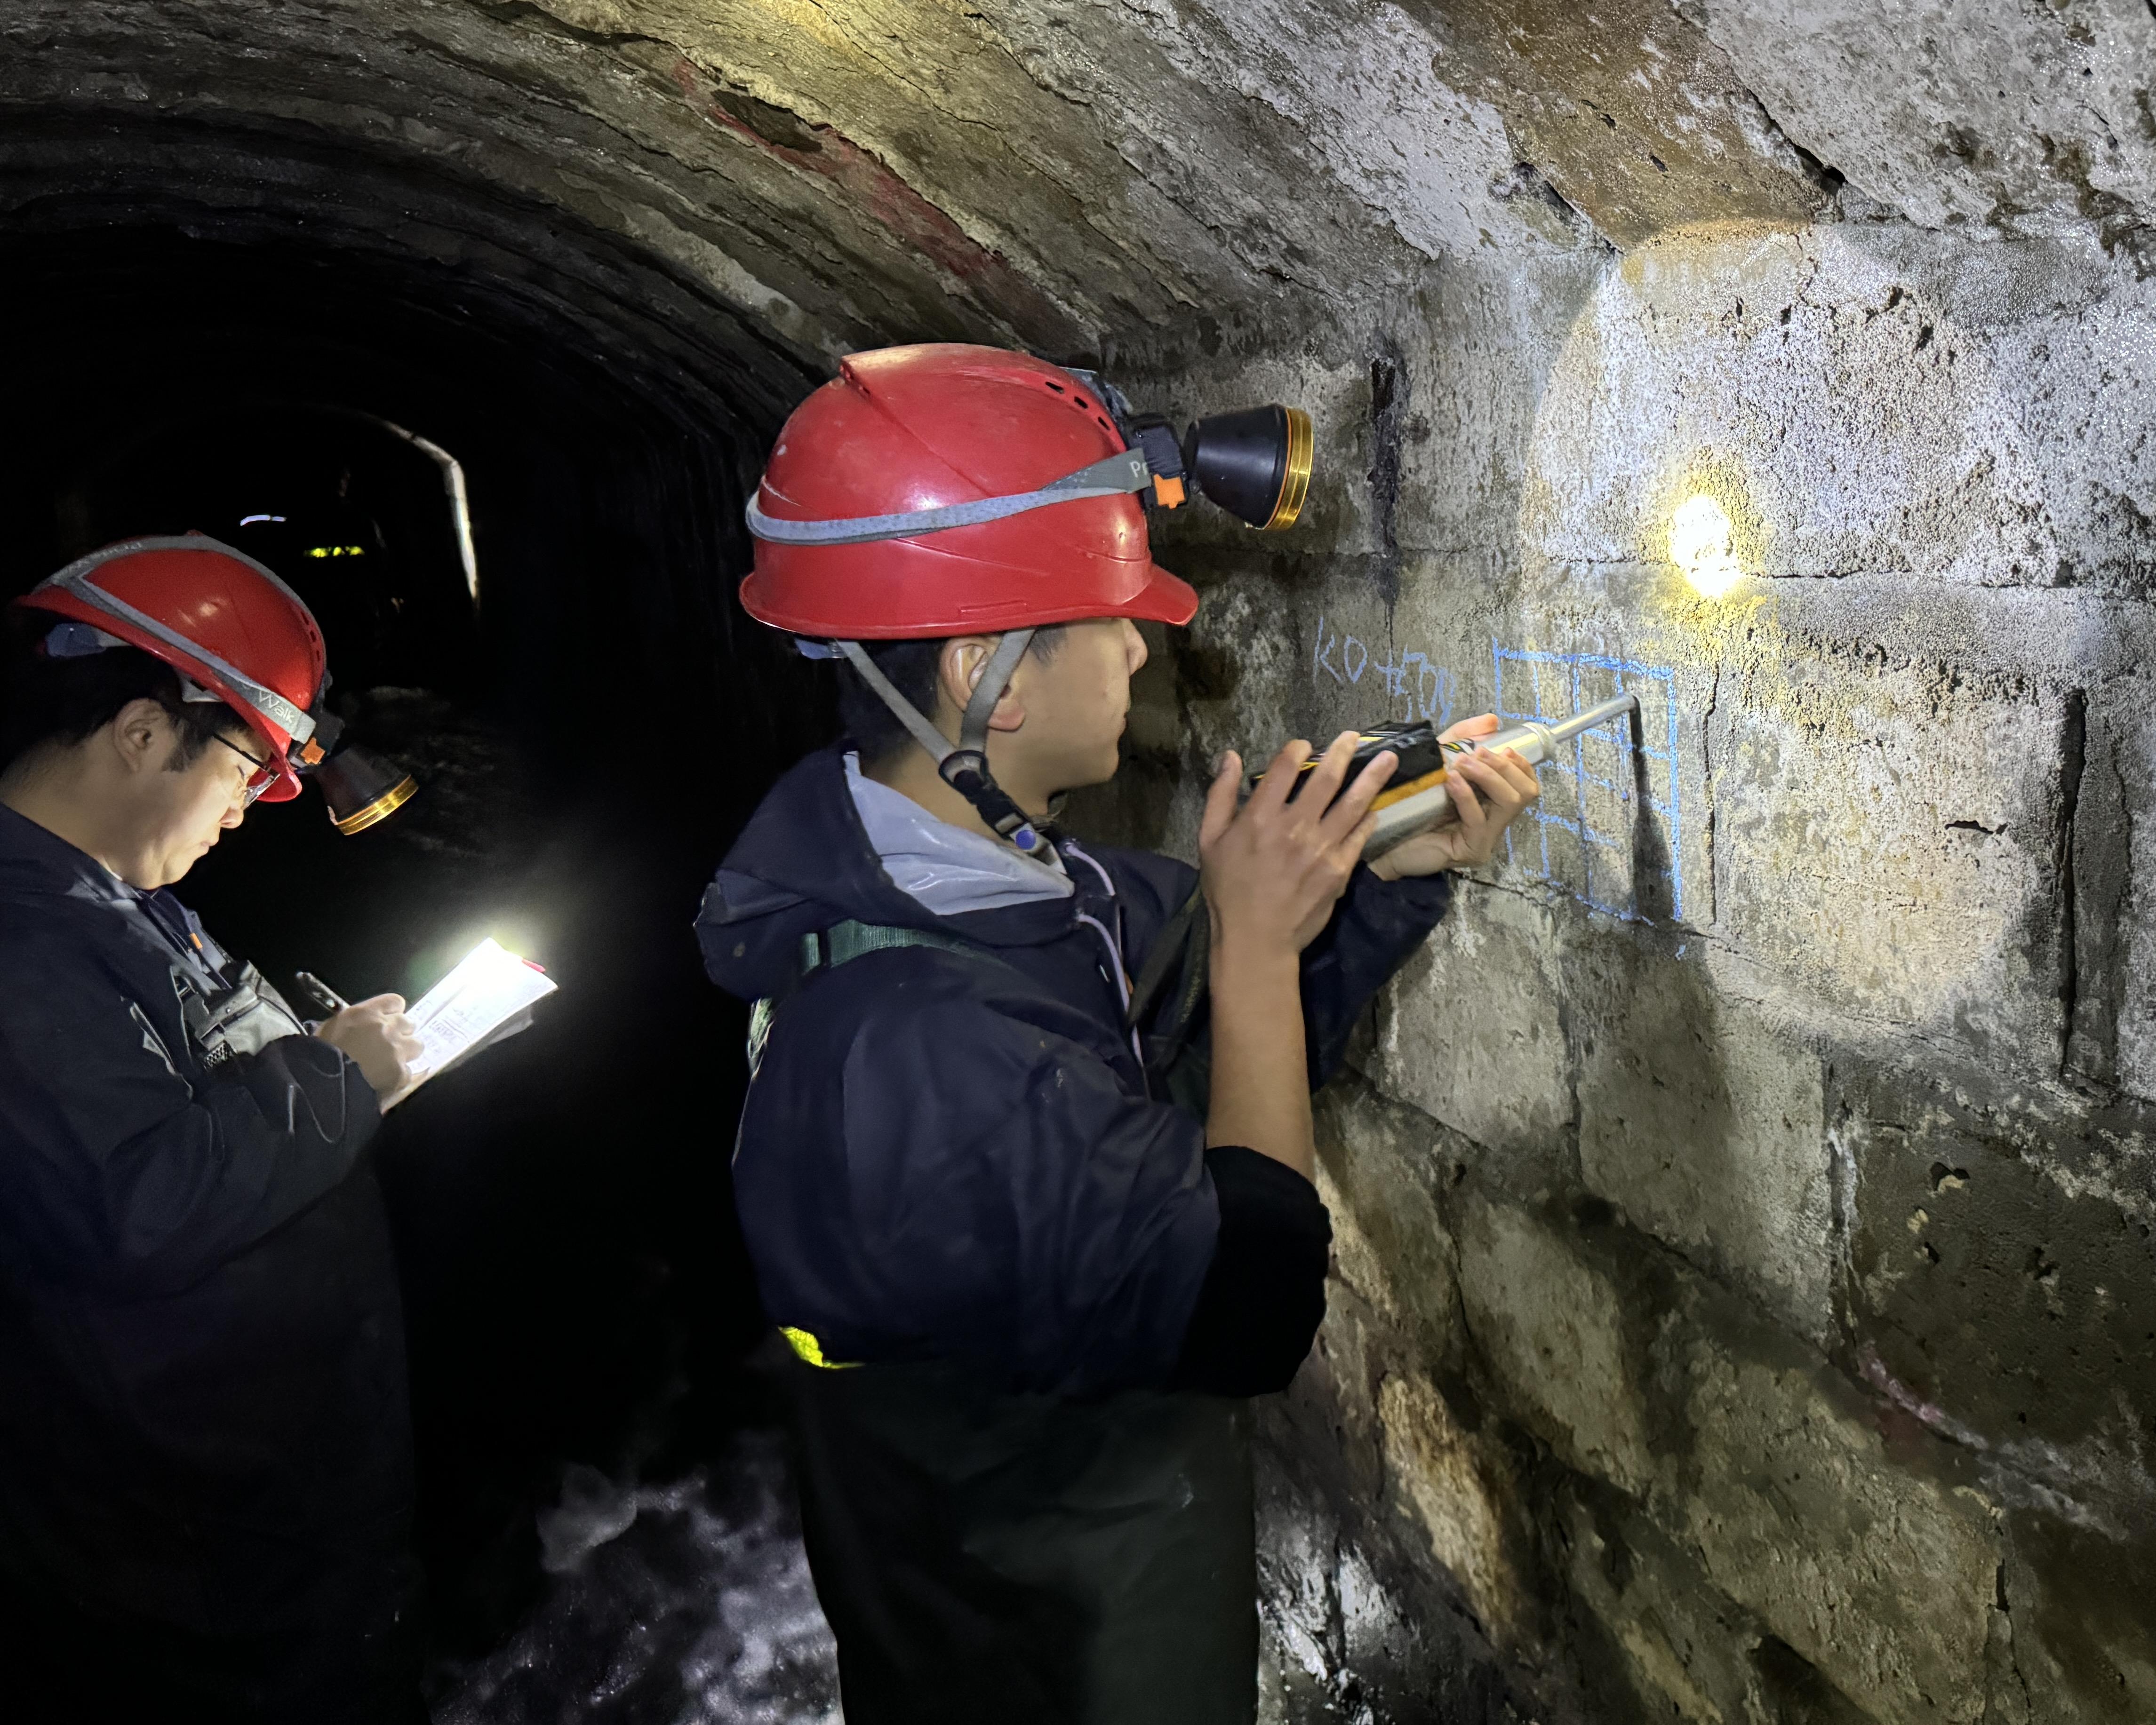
pixel 1584 824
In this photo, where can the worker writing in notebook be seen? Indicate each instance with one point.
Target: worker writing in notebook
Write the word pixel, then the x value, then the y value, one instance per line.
pixel 1026 1294
pixel 205 1473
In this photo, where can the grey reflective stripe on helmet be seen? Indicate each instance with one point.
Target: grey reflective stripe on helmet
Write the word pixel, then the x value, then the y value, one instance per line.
pixel 291 720
pixel 1114 476
pixel 294 721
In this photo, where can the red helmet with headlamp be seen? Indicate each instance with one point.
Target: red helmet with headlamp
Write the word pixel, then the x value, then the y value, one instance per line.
pixel 236 634
pixel 907 430
pixel 947 489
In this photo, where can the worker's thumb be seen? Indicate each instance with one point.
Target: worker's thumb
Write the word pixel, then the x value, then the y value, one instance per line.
pixel 1220 800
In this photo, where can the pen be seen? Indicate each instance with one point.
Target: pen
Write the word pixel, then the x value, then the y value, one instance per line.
pixel 320 992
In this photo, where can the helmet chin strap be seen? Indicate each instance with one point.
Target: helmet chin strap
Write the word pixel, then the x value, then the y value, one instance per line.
pixel 964 768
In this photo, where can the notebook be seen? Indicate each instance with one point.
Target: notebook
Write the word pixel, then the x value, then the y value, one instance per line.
pixel 486 998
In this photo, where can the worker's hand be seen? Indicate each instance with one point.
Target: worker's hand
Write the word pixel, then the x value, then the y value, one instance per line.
pixel 380 1041
pixel 1273 872
pixel 1489 791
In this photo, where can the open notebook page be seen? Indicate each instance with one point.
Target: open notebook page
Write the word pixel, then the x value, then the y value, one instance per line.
pixel 489 994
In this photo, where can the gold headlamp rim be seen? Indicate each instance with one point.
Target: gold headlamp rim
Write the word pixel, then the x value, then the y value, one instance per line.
pixel 381 809
pixel 1294 485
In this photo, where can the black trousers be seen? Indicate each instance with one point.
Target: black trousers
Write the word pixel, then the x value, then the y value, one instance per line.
pixel 349 1656
pixel 987 1557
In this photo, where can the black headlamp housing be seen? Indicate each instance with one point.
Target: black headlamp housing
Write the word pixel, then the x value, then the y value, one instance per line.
pixel 1255 462
pixel 360 789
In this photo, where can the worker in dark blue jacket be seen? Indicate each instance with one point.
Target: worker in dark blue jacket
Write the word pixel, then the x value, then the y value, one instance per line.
pixel 205 1468
pixel 1026 1287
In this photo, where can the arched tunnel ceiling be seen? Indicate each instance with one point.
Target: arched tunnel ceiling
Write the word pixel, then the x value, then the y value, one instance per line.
pixel 1067 174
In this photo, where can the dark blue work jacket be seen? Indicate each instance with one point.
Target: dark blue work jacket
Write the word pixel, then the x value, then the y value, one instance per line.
pixel 204 1426
pixel 952 1180
pixel 944 1159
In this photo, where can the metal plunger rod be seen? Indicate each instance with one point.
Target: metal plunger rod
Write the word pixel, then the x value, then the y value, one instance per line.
pixel 1537 742
pixel 1534 741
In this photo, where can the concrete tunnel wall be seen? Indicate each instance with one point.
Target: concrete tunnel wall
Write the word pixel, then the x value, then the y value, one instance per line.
pixel 1743 1307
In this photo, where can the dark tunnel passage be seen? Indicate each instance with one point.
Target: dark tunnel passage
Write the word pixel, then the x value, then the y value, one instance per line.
pixel 588 731
pixel 1742 1201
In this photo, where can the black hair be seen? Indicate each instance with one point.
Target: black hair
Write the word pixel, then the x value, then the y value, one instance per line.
pixel 871 727
pixel 64 700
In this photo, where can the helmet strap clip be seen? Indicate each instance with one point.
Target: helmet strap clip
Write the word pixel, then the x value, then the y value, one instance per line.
pixel 964 768
pixel 965 771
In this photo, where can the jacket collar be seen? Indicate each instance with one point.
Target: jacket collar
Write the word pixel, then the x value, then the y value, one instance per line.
pixel 805 862
pixel 946 868
pixel 807 840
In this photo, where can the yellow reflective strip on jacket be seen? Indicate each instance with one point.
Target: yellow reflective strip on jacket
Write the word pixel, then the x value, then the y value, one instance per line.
pixel 812 1350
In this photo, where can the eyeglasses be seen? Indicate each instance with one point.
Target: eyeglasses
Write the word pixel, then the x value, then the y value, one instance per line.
pixel 258 781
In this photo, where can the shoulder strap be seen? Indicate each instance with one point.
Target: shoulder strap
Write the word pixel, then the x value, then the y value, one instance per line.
pixel 1179 950
pixel 827 949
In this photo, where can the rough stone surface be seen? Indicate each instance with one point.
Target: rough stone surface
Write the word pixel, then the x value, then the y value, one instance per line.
pixel 1707 1131
pixel 1881 849
pixel 1492 1064
pixel 1664 1633
pixel 1963 117
pixel 1741 1309
pixel 1876 1574
pixel 1915 881
pixel 1551 1330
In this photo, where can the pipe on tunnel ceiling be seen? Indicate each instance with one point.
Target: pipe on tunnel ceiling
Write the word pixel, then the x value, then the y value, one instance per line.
pixel 453 487
pixel 453 484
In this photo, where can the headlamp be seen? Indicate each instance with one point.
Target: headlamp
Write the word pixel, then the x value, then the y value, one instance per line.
pixel 360 789
pixel 1255 462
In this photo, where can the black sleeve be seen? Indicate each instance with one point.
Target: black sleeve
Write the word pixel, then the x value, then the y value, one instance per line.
pixel 1375 928
pixel 1264 1295
pixel 115 1169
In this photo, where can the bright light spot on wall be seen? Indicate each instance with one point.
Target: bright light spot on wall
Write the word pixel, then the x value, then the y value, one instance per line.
pixel 1699 546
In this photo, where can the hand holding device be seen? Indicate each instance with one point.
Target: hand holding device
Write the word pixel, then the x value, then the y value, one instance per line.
pixel 1488 788
pixel 1273 870
pixel 1475 775
pixel 381 1041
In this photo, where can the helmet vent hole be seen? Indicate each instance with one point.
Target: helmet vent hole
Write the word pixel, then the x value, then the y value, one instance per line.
pixel 1057 387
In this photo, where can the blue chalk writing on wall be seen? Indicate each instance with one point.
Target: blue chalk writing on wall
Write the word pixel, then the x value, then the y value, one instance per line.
pixel 1422 689
pixel 1581 837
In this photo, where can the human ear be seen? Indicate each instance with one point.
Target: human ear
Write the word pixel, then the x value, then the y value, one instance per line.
pixel 960 668
pixel 141 734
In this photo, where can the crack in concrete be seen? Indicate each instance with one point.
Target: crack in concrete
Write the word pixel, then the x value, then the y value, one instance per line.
pixel 1390 387
pixel 2074 749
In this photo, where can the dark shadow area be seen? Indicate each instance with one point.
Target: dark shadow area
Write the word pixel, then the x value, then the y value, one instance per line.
pixel 587 736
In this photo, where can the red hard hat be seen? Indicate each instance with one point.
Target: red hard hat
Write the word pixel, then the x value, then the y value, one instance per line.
pixel 219 618
pixel 909 428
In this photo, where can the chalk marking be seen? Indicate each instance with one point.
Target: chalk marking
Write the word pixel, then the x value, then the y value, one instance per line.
pixel 1596 764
